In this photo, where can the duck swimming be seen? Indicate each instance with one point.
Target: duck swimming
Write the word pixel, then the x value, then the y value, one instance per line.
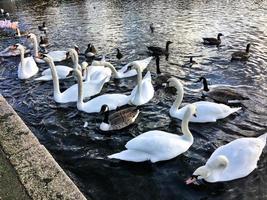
pixel 224 95
pixel 154 50
pixel 241 55
pixel 213 41
pixel 119 54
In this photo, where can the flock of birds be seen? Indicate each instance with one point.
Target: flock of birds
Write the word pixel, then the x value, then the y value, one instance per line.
pixel 231 161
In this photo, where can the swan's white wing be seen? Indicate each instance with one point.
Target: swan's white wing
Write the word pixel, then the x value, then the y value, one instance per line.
pixel 58 55
pixel 159 145
pixel 98 73
pixel 29 70
pixel 144 63
pixel 62 71
pixel 112 100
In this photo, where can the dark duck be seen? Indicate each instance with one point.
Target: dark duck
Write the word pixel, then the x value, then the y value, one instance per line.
pixel 213 41
pixel 159 51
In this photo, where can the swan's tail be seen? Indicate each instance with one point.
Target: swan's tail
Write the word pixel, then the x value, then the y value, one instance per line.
pixel 131 155
pixel 44 78
pixel 263 138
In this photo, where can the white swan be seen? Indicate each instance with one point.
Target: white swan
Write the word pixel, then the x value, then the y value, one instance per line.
pixel 206 111
pixel 94 105
pixel 144 91
pixel 158 145
pixel 123 72
pixel 71 94
pixel 234 160
pixel 57 56
pixel 63 71
pixel 27 66
pixel 10 52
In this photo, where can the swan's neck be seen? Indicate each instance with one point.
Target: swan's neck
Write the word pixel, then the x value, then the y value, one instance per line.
pixel 185 128
pixel 139 82
pixel 35 46
pixel 55 79
pixel 179 98
pixel 112 68
pixel 22 61
pixel 75 61
pixel 80 91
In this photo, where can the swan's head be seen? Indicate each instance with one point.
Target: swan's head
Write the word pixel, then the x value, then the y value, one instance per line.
pixel 190 111
pixel 18 47
pixel 104 109
pixel 84 65
pixel 46 58
pixel 31 36
pixel 2 11
pixel 77 48
pixel 209 170
pixel 174 82
pixel 72 53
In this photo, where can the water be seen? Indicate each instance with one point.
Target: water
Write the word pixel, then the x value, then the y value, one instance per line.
pixel 82 152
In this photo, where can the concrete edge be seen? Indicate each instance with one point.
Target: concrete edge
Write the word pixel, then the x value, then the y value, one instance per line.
pixel 37 170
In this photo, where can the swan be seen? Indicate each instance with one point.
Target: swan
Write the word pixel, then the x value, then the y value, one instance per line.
pixel 27 66
pixel 224 95
pixel 154 50
pixel 63 71
pixel 144 91
pixel 158 145
pixel 241 55
pixel 118 120
pixel 123 72
pixel 231 161
pixel 71 94
pixel 57 56
pixel 94 105
pixel 206 111
pixel 119 54
pixel 213 41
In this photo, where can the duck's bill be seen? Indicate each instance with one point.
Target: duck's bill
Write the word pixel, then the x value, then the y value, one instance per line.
pixel 191 180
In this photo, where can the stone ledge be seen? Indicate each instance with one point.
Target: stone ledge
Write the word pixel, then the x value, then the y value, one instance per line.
pixel 40 174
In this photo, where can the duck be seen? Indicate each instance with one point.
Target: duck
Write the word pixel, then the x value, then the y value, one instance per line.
pixel 43 41
pixel 156 145
pixel 124 72
pixel 206 111
pixel 57 56
pixel 152 28
pixel 191 63
pixel 241 55
pixel 213 41
pixel 161 78
pixel 154 50
pixel 27 66
pixel 231 161
pixel 63 72
pixel 218 94
pixel 144 90
pixel 118 120
pixel 71 94
pixel 90 52
pixel 119 54
pixel 43 27
pixel 113 101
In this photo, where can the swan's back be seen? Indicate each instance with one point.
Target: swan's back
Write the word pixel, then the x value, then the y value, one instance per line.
pixel 30 68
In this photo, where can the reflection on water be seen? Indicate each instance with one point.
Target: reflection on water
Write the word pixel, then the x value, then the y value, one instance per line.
pixel 125 24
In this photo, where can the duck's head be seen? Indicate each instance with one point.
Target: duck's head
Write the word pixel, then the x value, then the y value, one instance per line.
pixel 104 109
pixel 219 35
pixel 169 42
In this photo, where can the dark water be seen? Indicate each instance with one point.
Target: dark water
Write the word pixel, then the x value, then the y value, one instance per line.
pixel 82 152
